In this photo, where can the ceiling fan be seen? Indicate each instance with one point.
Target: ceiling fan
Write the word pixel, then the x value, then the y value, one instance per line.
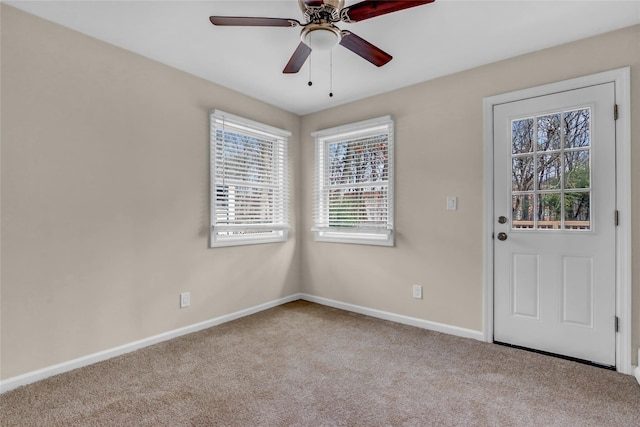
pixel 319 31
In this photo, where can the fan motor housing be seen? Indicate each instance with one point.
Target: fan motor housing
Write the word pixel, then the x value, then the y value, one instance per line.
pixel 335 4
pixel 321 10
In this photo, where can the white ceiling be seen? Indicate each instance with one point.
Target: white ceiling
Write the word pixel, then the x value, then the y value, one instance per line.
pixel 426 41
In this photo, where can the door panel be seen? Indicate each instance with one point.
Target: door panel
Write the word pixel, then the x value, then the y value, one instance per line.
pixel 525 286
pixel 577 290
pixel 554 177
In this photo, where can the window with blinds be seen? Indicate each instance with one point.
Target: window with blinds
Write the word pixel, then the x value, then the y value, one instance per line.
pixel 249 181
pixel 353 200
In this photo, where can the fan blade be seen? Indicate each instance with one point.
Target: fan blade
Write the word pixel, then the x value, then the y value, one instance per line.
pixel 253 22
pixel 371 8
pixel 361 47
pixel 298 59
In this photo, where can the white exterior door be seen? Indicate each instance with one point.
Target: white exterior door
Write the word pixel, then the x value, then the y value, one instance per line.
pixel 554 229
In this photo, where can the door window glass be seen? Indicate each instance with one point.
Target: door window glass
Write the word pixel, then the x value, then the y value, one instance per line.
pixel 551 178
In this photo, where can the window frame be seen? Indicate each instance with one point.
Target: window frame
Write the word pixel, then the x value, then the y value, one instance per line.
pixel 267 232
pixel 382 235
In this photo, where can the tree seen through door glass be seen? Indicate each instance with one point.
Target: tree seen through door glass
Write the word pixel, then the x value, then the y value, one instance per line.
pixel 548 171
pixel 549 211
pixel 521 136
pixel 577 210
pixel 577 173
pixel 548 132
pixel 522 176
pixel 577 128
pixel 523 208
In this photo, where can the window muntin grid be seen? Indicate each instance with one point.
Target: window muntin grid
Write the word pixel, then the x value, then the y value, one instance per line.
pixel 551 171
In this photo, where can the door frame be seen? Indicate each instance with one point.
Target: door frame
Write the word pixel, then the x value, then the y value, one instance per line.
pixel 621 79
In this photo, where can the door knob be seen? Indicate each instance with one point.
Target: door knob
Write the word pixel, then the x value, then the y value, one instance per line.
pixel 502 236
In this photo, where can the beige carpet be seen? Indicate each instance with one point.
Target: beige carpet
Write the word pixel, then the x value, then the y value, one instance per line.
pixel 303 364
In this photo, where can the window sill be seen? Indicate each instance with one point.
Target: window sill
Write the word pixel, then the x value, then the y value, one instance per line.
pixel 358 238
pixel 224 241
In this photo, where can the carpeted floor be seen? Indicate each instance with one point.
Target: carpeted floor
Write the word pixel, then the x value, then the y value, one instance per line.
pixel 303 364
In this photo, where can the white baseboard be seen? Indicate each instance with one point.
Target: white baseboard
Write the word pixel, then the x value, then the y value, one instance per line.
pixel 398 318
pixel 40 374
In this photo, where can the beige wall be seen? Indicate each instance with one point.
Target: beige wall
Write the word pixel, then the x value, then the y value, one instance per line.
pixel 439 143
pixel 105 195
pixel 105 199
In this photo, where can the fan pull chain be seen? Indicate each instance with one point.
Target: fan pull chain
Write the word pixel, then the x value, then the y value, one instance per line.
pixel 310 82
pixel 331 73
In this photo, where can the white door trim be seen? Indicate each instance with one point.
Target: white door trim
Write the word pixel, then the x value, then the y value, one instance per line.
pixel 621 79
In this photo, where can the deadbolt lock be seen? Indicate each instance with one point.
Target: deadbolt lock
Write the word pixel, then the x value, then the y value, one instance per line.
pixel 502 219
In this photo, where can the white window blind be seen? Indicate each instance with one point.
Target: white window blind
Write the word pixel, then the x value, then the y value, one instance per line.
pixel 353 200
pixel 249 181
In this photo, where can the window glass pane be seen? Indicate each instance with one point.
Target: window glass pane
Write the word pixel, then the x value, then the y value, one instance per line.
pixel 577 210
pixel 577 173
pixel 576 128
pixel 363 206
pixel 549 132
pixel 359 161
pixel 549 211
pixel 344 211
pixel 521 136
pixel 548 173
pixel 246 158
pixel 352 163
pixel 522 211
pixel 522 173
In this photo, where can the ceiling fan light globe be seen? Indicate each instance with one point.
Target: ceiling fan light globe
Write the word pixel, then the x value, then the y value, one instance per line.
pixel 321 38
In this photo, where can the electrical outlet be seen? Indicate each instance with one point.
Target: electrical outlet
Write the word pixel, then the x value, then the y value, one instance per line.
pixel 185 299
pixel 417 291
